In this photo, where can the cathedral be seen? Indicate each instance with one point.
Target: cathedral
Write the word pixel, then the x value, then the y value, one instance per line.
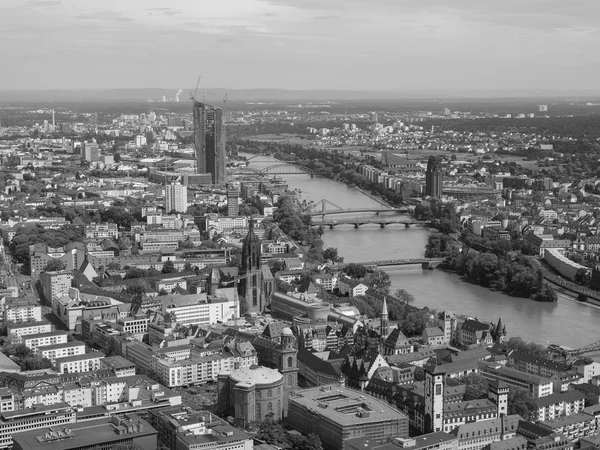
pixel 256 283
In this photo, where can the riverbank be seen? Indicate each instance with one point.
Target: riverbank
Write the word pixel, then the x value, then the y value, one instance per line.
pixel 372 196
pixel 567 321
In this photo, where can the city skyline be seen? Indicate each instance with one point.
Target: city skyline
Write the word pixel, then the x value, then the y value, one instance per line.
pixel 350 45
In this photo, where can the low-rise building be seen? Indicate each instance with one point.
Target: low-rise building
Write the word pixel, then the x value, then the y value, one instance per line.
pixel 87 362
pixel 184 428
pixel 337 414
pixel 352 288
pixel 536 385
pixel 42 339
pixel 63 350
pixel 39 416
pixel 109 432
pixel 16 331
pixel 559 405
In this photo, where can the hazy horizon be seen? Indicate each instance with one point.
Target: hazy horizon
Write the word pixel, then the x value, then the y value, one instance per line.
pixel 347 45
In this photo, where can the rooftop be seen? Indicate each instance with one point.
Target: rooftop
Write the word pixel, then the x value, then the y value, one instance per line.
pixel 255 375
pixel 345 406
pixel 83 434
pixel 425 441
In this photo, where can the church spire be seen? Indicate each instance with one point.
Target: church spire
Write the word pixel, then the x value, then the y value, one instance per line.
pixel 384 319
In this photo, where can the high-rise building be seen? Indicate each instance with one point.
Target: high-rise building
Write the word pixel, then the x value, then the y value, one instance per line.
pixel 176 198
pixel 209 139
pixel 433 177
pixel 232 202
pixel 542 108
pixel 251 284
pixel 90 152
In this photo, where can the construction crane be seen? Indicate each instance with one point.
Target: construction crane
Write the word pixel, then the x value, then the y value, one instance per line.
pixel 193 96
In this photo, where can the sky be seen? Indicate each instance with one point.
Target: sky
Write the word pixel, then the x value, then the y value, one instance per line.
pixel 392 45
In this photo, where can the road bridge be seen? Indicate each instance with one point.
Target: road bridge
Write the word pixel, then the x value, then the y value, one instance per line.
pixel 426 263
pixel 382 222
pixel 275 169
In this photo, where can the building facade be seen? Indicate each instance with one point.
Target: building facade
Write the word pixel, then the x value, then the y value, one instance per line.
pixel 209 140
pixel 433 177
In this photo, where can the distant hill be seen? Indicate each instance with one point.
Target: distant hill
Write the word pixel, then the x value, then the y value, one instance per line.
pixel 276 95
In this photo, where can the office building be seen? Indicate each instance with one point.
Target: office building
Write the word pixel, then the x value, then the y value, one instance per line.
pixel 90 152
pixel 184 428
pixel 433 177
pixel 337 414
pixel 39 416
pixel 232 202
pixel 209 140
pixel 108 432
pixel 55 284
pixel 176 198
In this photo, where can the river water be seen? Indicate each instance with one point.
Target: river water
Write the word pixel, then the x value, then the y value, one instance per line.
pixel 566 322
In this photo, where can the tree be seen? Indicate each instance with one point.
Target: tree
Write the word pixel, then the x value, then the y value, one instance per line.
pixel 404 296
pixel 356 271
pixel 135 272
pixel 475 380
pixel 522 403
pixel 378 281
pixel 331 254
pixel 272 434
pixel 583 277
pixel 187 267
pixel 138 287
pixel 169 267
pixel 54 265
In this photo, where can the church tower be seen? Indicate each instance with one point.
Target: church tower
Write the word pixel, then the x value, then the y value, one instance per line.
pixel 251 283
pixel 287 361
pixel 385 326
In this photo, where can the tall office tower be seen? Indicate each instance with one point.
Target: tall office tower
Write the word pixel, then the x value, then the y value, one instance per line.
pixel 232 202
pixel 90 152
pixel 542 108
pixel 433 178
pixel 251 284
pixel 209 139
pixel 176 198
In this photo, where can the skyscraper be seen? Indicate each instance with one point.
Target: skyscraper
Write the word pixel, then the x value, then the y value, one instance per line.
pixel 251 283
pixel 176 198
pixel 209 139
pixel 433 177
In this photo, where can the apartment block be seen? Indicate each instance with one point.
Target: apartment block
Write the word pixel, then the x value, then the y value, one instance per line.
pixel 87 362
pixel 56 351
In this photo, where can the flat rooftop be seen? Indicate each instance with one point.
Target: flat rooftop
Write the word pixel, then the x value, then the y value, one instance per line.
pixel 84 434
pixel 345 406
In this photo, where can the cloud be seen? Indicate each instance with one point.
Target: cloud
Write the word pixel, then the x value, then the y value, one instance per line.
pixel 105 16
pixel 43 3
pixel 327 17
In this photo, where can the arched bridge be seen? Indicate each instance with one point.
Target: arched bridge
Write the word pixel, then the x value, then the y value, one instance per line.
pixel 383 222
pixel 358 210
pixel 325 208
pixel 275 169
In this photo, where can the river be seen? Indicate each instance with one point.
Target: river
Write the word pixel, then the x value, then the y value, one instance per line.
pixel 566 322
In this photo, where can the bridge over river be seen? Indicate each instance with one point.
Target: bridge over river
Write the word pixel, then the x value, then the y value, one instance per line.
pixel 382 222
pixel 426 263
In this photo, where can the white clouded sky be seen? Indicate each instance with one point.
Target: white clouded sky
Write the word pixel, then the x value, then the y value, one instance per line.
pixel 301 44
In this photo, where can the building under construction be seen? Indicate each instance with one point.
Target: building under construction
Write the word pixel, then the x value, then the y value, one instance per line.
pixel 209 140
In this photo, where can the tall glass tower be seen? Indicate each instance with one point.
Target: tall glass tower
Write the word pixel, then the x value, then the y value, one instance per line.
pixel 209 140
